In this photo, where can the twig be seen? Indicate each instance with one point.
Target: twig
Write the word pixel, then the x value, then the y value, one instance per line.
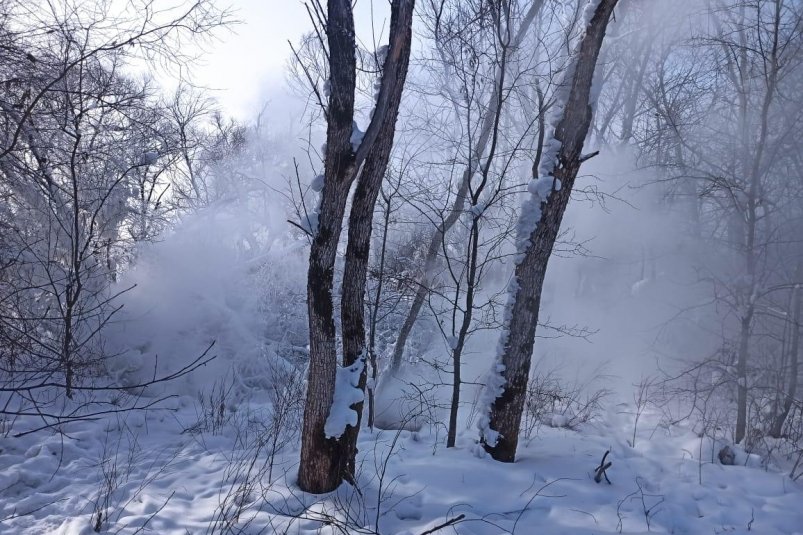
pixel 446 524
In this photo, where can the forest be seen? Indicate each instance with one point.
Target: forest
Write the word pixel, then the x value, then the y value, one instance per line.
pixel 454 266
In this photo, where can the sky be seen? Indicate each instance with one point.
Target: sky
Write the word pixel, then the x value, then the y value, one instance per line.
pixel 245 64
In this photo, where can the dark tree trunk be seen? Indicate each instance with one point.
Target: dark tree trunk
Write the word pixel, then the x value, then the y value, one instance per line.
pixel 457 352
pixel 321 466
pixel 375 312
pixel 325 462
pixel 741 375
pixel 571 130
pixel 362 208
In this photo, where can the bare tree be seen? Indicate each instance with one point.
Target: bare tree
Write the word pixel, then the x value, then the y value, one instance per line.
pixel 328 460
pixel 79 150
pixel 539 224
pixel 726 144
pixel 446 34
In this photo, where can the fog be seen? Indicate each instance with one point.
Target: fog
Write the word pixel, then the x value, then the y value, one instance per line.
pixel 623 296
pixel 401 266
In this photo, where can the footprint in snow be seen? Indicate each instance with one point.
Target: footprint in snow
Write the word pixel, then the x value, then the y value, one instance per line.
pixel 409 509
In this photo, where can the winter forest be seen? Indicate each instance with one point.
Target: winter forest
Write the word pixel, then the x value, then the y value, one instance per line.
pixel 401 267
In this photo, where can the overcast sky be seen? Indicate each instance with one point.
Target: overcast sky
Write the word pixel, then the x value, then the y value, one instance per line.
pixel 245 65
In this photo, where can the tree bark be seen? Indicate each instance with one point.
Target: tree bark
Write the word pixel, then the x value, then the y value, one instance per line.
pixel 321 466
pixel 362 209
pixel 517 348
pixel 375 312
pixel 325 462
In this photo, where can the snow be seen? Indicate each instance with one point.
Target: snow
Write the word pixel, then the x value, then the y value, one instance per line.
pixel 317 184
pixel 542 187
pixel 356 136
pixel 347 393
pixel 588 11
pixel 175 482
pixel 494 382
pixel 493 388
pixel 559 420
pixel 476 210
pixel 309 222
pixel 381 54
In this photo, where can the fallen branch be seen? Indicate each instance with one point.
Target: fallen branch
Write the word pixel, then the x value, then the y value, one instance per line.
pixel 602 468
pixel 446 524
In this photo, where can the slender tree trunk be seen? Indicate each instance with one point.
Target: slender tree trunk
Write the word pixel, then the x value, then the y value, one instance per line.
pixel 794 363
pixel 375 313
pixel 517 343
pixel 362 208
pixel 634 89
pixel 457 351
pixel 741 375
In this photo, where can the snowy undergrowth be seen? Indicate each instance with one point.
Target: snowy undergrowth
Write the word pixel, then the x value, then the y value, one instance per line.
pixel 220 277
pixel 183 483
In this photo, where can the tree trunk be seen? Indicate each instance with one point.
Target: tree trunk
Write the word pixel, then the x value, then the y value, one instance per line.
pixel 633 91
pixel 325 462
pixel 741 375
pixel 794 369
pixel 321 467
pixel 517 343
pixel 362 208
pixel 457 351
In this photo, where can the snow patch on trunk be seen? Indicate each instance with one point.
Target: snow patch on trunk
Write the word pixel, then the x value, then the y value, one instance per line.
pixel 356 136
pixel 309 222
pixel 347 393
pixel 539 188
pixel 317 184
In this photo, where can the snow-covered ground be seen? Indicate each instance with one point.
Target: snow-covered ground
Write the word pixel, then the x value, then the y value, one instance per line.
pixel 147 476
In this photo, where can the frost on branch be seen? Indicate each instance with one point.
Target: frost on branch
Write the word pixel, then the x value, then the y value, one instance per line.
pixel 347 393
